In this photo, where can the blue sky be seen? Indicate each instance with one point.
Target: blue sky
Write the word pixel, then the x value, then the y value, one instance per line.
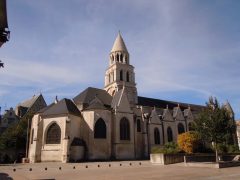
pixel 182 50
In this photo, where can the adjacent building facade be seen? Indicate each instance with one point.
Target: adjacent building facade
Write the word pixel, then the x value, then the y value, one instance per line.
pixel 109 123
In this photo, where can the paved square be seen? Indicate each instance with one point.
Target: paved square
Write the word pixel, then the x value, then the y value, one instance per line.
pixel 122 170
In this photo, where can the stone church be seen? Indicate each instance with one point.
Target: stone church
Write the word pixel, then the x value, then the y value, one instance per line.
pixel 109 123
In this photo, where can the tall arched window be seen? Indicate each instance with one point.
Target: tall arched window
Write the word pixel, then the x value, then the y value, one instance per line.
pixel 121 75
pixel 100 130
pixel 117 57
pixel 169 134
pixel 181 128
pixel 53 134
pixel 138 125
pixel 109 77
pixel 156 136
pixel 124 129
pixel 121 58
pixel 127 76
pixel 32 135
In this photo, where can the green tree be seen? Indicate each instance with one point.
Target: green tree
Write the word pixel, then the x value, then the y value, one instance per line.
pixel 214 124
pixel 15 136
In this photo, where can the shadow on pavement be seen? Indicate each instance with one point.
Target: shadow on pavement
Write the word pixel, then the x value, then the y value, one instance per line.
pixel 5 176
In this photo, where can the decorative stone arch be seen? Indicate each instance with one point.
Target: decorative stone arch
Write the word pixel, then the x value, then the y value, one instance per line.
pixel 100 129
pixel 169 134
pixel 53 134
pixel 156 136
pixel 124 129
pixel 181 128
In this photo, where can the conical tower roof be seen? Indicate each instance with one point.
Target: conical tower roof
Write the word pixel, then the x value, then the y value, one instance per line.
pixel 119 44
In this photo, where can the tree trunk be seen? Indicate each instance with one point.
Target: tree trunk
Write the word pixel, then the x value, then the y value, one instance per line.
pixel 216 151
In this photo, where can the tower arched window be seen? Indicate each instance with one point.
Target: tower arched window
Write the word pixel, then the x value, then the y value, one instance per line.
pixel 156 136
pixel 53 134
pixel 117 57
pixel 100 129
pixel 169 134
pixel 127 76
pixel 124 129
pixel 181 128
pixel 109 78
pixel 121 75
pixel 138 125
pixel 121 58
pixel 112 59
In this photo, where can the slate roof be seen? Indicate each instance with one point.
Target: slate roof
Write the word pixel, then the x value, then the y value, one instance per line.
pixel 45 108
pixel 144 101
pixel 65 106
pixel 96 105
pixel 28 103
pixel 91 93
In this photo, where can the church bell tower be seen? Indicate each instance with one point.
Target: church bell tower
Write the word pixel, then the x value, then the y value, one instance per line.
pixel 120 73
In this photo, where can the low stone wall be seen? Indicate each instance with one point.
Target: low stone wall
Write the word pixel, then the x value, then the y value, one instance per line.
pixel 165 159
pixel 200 158
pixel 229 164
pixel 208 157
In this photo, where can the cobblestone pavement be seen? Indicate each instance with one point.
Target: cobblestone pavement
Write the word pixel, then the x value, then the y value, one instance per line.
pixel 121 170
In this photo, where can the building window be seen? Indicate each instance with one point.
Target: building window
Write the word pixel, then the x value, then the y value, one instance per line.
pixel 138 125
pixel 117 58
pixel 181 128
pixel 127 76
pixel 124 129
pixel 53 134
pixel 169 134
pixel 100 130
pixel 109 78
pixel 121 58
pixel 121 75
pixel 156 136
pixel 32 135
